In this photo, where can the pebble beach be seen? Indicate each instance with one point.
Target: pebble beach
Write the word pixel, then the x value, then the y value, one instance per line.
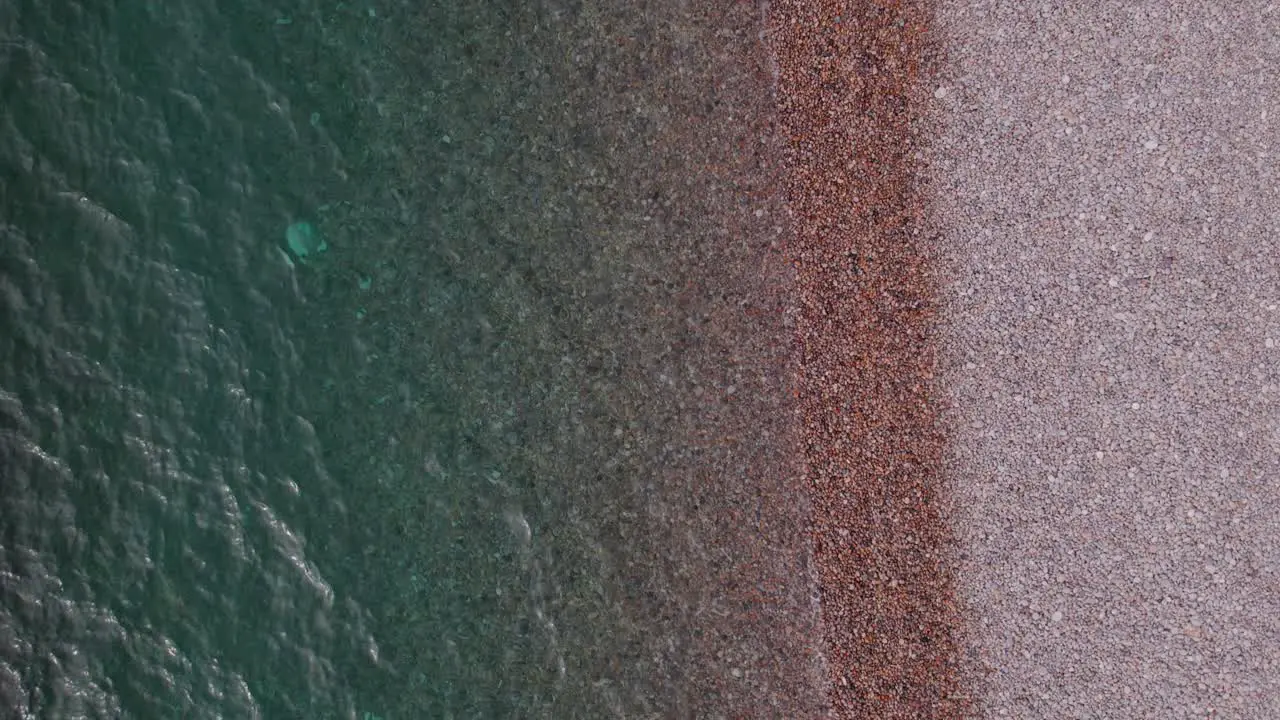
pixel 795 359
pixel 1037 286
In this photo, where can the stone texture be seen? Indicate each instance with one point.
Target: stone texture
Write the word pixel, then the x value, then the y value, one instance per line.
pixel 1104 178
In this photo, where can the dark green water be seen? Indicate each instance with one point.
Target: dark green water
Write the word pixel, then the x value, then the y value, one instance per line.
pixel 380 482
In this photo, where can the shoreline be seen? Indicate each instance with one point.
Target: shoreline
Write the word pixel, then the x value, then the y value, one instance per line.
pixel 850 102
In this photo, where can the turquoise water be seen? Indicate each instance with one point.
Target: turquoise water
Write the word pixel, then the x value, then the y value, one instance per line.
pixel 308 402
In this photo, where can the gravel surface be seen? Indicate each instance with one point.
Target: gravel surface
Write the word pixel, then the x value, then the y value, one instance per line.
pixel 1106 179
pixel 849 102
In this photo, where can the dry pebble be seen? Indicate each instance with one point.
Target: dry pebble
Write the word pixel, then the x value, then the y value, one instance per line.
pixel 1103 179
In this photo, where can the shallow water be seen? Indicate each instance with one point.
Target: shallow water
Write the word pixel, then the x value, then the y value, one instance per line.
pixel 396 478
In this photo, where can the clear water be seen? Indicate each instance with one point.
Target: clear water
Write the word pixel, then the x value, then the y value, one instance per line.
pixel 239 483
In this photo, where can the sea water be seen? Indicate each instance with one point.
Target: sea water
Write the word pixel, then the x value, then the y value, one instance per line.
pixel 238 480
pixel 324 330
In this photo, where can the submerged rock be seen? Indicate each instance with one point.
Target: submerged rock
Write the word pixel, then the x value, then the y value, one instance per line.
pixel 305 240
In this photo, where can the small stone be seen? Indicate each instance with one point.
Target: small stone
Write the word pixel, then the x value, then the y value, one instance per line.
pixel 304 240
pixel 1057 616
